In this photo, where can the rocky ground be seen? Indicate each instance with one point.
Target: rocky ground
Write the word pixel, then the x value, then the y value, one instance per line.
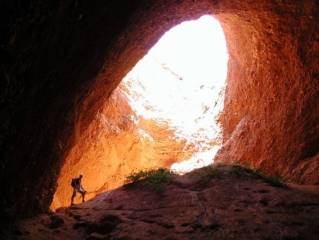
pixel 223 203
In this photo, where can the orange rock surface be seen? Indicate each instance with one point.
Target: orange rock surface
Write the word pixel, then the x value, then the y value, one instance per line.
pixel 116 144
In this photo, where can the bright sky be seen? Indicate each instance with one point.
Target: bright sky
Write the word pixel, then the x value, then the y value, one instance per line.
pixel 181 81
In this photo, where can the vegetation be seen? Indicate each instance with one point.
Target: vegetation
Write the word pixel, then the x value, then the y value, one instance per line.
pixel 154 179
pixel 208 173
pixel 242 171
pixel 205 174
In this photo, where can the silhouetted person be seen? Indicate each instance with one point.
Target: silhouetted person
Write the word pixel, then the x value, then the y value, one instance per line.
pixel 77 187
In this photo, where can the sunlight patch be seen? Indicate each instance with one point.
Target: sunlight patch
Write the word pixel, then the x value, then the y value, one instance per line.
pixel 181 82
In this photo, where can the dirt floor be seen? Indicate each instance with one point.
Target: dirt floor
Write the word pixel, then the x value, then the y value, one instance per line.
pixel 227 203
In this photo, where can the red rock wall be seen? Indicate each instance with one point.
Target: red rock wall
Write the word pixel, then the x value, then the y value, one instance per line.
pixel 271 115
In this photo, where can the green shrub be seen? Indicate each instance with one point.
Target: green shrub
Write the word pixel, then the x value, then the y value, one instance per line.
pixel 136 176
pixel 242 171
pixel 274 181
pixel 154 179
pixel 205 174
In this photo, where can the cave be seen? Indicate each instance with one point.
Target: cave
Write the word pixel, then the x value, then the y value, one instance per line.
pixel 63 60
pixel 144 125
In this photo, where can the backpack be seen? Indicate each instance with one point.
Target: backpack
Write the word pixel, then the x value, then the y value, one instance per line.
pixel 73 182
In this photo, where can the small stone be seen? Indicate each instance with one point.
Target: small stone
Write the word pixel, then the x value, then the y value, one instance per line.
pixel 96 236
pixel 184 229
pixel 56 221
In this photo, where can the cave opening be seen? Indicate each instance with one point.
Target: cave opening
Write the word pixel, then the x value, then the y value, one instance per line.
pixel 164 113
pixel 179 85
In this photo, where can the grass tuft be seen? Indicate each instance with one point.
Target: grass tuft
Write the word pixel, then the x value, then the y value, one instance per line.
pixel 154 179
pixel 205 174
pixel 242 171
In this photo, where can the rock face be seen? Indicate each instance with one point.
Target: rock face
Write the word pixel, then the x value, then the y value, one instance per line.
pixel 61 60
pixel 199 206
pixel 271 112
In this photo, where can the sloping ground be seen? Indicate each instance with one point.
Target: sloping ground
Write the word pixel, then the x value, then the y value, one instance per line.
pixel 227 203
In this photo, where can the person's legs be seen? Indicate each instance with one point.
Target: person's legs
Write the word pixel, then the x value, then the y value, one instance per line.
pixel 83 192
pixel 83 196
pixel 73 196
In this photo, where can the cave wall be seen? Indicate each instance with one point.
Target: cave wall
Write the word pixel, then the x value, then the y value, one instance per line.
pixel 62 59
pixel 271 112
pixel 50 53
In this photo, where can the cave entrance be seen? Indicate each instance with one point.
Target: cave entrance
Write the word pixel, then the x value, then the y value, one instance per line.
pixel 163 114
pixel 178 86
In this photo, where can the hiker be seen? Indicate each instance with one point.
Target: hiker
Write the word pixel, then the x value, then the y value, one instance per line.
pixel 77 187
